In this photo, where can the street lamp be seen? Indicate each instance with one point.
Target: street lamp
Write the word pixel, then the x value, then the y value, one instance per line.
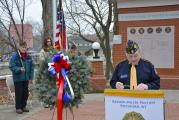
pixel 96 47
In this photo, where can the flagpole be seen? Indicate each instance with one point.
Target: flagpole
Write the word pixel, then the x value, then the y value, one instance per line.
pixel 61 12
pixel 54 6
pixel 62 32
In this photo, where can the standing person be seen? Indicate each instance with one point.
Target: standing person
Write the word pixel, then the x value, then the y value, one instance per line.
pixel 44 54
pixel 74 50
pixel 135 72
pixel 22 75
pixel 47 48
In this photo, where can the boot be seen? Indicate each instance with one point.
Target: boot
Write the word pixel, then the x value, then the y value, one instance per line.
pixel 19 111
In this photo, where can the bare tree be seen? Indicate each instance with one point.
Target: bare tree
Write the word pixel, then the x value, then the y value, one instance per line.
pixel 7 17
pixel 87 16
pixel 4 46
pixel 47 18
pixel 115 12
pixel 93 16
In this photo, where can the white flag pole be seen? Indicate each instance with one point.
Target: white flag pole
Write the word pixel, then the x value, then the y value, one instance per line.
pixel 54 8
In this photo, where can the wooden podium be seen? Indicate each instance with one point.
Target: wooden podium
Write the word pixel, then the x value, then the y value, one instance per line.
pixel 134 105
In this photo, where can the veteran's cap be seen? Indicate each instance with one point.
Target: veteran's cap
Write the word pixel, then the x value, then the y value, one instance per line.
pixel 131 47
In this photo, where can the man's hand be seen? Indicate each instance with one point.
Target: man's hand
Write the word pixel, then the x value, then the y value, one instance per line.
pixel 142 87
pixel 119 85
pixel 22 69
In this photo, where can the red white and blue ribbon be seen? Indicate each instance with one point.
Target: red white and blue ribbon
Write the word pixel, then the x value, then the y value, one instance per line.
pixel 58 68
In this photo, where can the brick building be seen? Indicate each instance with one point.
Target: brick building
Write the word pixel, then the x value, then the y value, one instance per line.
pixel 27 35
pixel 154 24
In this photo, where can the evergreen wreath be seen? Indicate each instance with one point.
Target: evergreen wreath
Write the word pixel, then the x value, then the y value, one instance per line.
pixel 79 76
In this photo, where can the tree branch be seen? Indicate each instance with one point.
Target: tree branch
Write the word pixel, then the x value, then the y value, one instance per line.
pixel 109 14
pixel 94 13
pixel 6 5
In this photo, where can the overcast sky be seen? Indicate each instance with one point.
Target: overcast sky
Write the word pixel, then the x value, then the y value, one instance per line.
pixel 34 11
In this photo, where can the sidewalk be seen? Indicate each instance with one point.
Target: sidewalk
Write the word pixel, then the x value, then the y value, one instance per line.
pixel 91 109
pixel 7 112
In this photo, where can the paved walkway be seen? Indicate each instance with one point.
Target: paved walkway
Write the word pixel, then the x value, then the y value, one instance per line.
pixel 91 109
pixel 95 111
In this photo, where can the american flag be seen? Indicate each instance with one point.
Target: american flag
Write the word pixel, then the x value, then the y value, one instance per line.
pixel 60 41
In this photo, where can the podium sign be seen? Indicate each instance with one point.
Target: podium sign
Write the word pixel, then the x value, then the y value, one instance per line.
pixel 134 105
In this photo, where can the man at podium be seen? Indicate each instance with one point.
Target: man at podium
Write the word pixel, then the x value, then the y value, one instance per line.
pixel 135 73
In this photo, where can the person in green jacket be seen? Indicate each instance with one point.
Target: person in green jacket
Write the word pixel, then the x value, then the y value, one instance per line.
pixel 22 75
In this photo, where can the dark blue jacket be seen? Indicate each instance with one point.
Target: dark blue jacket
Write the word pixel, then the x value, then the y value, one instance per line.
pixel 15 66
pixel 145 74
